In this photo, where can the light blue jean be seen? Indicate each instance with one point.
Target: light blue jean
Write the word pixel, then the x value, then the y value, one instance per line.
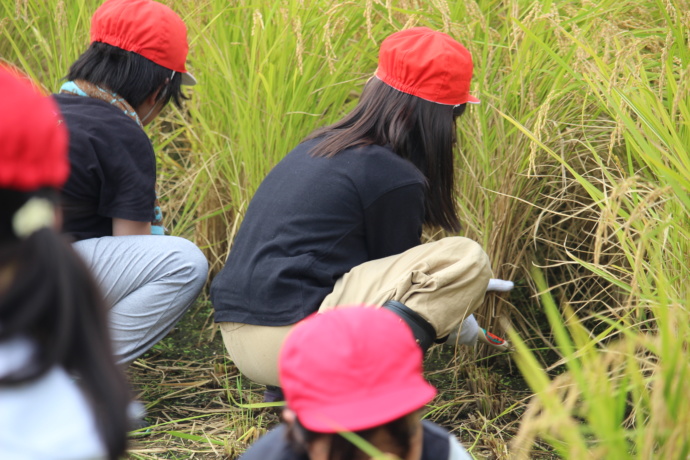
pixel 148 282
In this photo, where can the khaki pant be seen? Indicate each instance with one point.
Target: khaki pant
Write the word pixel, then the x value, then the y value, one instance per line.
pixel 443 282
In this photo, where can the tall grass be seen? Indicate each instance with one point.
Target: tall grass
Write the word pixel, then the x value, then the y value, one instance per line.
pixel 576 162
pixel 624 394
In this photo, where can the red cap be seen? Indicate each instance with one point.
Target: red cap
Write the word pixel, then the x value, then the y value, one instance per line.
pixel 352 369
pixel 33 143
pixel 145 27
pixel 427 64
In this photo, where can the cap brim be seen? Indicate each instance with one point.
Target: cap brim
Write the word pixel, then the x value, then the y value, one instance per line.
pixel 188 79
pixel 368 411
pixel 473 100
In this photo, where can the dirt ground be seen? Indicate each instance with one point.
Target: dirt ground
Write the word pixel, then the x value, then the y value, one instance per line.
pixel 199 406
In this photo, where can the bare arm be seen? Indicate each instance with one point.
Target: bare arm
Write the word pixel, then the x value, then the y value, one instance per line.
pixel 123 227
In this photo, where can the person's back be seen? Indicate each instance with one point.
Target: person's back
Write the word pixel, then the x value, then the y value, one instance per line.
pixel 113 170
pixel 279 444
pixel 61 394
pixel 133 68
pixel 327 216
pixel 45 418
pixel 339 220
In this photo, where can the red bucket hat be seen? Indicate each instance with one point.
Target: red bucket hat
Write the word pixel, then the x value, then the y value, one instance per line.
pixel 145 27
pixel 33 143
pixel 352 369
pixel 427 64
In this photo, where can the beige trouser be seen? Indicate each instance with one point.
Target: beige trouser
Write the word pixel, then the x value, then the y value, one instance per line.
pixel 443 281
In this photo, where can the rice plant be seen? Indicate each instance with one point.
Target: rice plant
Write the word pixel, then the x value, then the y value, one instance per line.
pixel 623 395
pixel 576 162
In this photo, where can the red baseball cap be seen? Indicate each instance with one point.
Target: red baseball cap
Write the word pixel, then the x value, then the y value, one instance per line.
pixel 427 64
pixel 351 369
pixel 33 142
pixel 145 27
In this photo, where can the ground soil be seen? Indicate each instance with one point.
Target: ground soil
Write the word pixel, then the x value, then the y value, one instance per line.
pixel 199 406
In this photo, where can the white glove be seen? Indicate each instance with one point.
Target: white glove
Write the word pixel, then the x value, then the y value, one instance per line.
pixel 469 332
pixel 499 285
pixel 494 340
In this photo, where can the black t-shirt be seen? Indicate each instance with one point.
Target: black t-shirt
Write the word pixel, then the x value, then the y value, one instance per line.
pixel 112 168
pixel 311 221
pixel 274 445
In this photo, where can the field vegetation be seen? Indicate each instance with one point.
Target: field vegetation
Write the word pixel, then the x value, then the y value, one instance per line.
pixel 573 173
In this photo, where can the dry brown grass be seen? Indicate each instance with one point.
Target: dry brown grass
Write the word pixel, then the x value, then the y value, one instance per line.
pixel 197 400
pixel 193 395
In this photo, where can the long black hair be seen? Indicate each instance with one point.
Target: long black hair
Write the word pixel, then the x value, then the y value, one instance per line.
pixel 399 431
pixel 420 131
pixel 47 294
pixel 126 73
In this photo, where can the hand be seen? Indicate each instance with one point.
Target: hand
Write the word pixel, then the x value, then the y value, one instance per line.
pixel 494 340
pixel 469 333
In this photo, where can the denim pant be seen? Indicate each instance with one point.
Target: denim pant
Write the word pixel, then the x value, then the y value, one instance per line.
pixel 148 283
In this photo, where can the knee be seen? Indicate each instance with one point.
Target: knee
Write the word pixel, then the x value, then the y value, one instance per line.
pixel 471 251
pixel 198 266
pixel 483 261
pixel 190 260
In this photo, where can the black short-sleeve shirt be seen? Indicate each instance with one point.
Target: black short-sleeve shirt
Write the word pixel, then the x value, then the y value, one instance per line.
pixel 311 220
pixel 112 168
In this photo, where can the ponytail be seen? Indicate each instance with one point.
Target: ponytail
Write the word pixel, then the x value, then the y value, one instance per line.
pixel 52 299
